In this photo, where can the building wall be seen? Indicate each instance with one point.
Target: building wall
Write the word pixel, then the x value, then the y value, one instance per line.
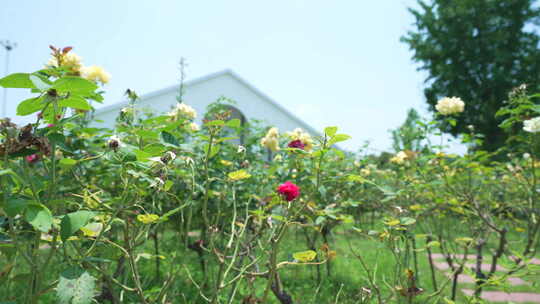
pixel 199 94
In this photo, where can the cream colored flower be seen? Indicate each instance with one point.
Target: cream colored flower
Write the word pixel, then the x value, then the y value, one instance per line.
pixel 95 73
pixel 194 127
pixel 532 125
pixel 271 140
pixel 304 137
pixel 69 60
pixel 450 105
pixel 182 110
pixel 365 171
pixel 399 158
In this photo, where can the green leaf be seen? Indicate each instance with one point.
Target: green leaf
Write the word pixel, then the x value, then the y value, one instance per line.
pixel 39 217
pixel 233 123
pixel 433 244
pixel 238 175
pixel 142 156
pixel 39 83
pixel 214 151
pixel 154 149
pixel 305 256
pixel 67 162
pixel 6 171
pixel 29 106
pixel 17 80
pixel 226 138
pixel 147 134
pixel 536 108
pixel 16 206
pixel 76 286
pixel 216 122
pixel 407 221
pixel 338 138
pixel 74 221
pixel 356 178
pixel 169 138
pixel 75 102
pixel 330 131
pixel 339 153
pixel 16 178
pixel 74 85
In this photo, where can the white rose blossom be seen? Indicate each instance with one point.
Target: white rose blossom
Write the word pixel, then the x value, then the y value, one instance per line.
pixel 532 125
pixel 450 105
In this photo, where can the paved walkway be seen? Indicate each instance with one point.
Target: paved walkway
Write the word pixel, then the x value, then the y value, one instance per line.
pixel 500 296
pixel 492 296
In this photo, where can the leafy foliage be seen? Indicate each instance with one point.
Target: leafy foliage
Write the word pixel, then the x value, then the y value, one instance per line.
pixel 158 209
pixel 75 286
pixel 479 51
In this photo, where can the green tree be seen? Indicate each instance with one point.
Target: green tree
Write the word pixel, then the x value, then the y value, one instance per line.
pixel 409 135
pixel 477 50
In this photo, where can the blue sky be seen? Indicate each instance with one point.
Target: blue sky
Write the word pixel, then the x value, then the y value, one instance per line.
pixel 329 62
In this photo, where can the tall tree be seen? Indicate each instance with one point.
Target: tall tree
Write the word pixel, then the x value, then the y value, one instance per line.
pixel 409 135
pixel 477 50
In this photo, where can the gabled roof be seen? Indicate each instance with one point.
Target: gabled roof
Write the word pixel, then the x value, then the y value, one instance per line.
pixel 117 106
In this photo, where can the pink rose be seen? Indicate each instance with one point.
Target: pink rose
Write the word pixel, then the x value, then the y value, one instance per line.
pixel 289 190
pixel 32 158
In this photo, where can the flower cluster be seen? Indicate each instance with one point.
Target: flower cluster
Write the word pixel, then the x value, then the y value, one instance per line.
pixel 184 111
pixel 450 105
pixel 271 140
pixel 68 60
pixel 96 74
pixel 302 136
pixel 72 62
pixel 399 158
pixel 289 191
pixel 532 125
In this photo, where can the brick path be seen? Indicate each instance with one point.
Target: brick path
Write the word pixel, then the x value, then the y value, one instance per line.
pixel 492 296
pixel 500 296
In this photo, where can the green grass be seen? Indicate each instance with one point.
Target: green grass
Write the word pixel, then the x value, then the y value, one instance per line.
pixel 342 285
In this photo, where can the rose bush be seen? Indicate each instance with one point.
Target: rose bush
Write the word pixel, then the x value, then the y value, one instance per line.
pixel 162 210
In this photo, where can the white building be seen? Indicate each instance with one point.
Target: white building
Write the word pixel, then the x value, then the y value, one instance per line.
pixel 199 93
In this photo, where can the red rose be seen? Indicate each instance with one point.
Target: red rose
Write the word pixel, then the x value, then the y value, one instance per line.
pixel 289 190
pixel 296 144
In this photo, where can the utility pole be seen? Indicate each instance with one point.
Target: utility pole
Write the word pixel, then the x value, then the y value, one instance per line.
pixel 9 46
